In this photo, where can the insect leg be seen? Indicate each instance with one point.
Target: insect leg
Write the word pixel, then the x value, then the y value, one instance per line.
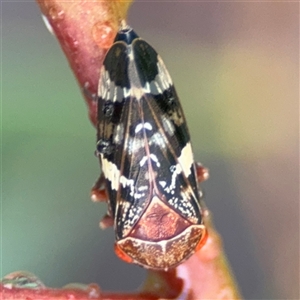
pixel 98 193
pixel 201 172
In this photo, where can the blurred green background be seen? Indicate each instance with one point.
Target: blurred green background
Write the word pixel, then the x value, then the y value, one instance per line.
pixel 236 69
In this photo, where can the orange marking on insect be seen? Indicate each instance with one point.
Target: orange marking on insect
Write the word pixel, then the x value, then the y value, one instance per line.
pixel 122 255
pixel 203 240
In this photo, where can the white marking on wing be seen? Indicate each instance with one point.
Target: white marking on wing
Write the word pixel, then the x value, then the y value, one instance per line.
pixel 126 92
pixel 103 83
pixel 138 127
pixel 163 183
pixel 168 125
pixel 137 92
pixel 162 80
pixel 186 159
pixel 119 134
pixel 175 169
pixel 158 140
pixel 145 125
pixel 148 126
pixel 163 72
pixel 134 145
pixel 127 182
pixel 143 188
pixel 155 159
pixel 147 88
pixel 143 160
pixel 111 172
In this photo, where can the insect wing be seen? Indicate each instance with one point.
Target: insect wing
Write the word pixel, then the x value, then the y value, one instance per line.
pixel 169 155
pixel 112 115
pixel 146 157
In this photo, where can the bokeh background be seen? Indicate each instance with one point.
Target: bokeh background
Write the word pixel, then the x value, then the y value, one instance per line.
pixel 236 69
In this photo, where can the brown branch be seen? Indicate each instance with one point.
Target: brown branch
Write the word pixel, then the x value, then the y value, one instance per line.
pixel 85 30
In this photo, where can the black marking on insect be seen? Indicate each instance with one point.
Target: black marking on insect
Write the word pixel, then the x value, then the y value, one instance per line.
pixel 146 157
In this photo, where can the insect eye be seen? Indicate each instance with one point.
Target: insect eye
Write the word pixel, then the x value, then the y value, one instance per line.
pixel 173 169
pixel 108 109
pixel 170 99
pixel 171 102
pixel 105 147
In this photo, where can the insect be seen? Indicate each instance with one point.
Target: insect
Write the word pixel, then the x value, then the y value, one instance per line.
pixel 147 162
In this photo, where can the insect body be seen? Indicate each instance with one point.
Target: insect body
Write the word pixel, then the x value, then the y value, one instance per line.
pixel 146 157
